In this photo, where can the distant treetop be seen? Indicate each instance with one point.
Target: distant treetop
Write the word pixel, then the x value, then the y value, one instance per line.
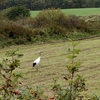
pixel 44 4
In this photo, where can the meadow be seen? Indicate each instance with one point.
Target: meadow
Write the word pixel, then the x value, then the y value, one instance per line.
pixel 53 63
pixel 78 12
pixel 54 60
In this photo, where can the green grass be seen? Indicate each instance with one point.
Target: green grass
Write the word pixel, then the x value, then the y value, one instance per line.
pixel 82 11
pixel 77 11
pixel 54 60
pixel 34 13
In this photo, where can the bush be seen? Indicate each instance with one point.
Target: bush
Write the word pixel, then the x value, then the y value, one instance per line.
pixel 18 12
pixel 56 30
pixel 49 24
pixel 38 35
pixel 57 23
pixel 52 21
pixel 15 33
pixel 74 22
pixel 50 16
pixel 93 26
pixel 55 17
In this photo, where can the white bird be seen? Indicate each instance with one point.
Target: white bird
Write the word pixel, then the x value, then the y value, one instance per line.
pixel 36 62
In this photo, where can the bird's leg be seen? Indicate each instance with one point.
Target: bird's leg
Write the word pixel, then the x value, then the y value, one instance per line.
pixel 36 68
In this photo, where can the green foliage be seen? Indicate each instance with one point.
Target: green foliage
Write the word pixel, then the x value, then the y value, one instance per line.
pixel 43 4
pixel 93 26
pixel 14 34
pixel 75 86
pixel 56 23
pixel 50 16
pixel 18 12
pixel 75 22
pixel 9 81
pixel 10 86
pixel 2 3
pixel 48 25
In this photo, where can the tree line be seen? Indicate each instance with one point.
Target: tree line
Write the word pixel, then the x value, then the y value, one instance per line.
pixel 44 4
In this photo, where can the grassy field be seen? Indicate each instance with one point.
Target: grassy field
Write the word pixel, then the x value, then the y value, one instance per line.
pixel 78 11
pixel 53 62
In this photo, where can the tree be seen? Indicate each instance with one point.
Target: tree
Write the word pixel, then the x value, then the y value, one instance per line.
pixel 11 3
pixel 18 12
pixel 2 3
pixel 97 3
pixel 37 5
pixel 42 4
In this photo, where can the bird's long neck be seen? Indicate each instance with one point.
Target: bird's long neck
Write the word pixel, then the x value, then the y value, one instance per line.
pixel 40 54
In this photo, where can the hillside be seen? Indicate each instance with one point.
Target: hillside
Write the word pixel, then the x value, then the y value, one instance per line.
pixel 53 63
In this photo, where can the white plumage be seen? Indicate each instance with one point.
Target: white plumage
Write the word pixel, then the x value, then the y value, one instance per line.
pixel 36 62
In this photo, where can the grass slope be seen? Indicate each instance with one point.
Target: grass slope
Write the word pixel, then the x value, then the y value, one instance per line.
pixel 77 11
pixel 54 60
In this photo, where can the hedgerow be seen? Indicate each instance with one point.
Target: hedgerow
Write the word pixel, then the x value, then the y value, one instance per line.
pixel 48 25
